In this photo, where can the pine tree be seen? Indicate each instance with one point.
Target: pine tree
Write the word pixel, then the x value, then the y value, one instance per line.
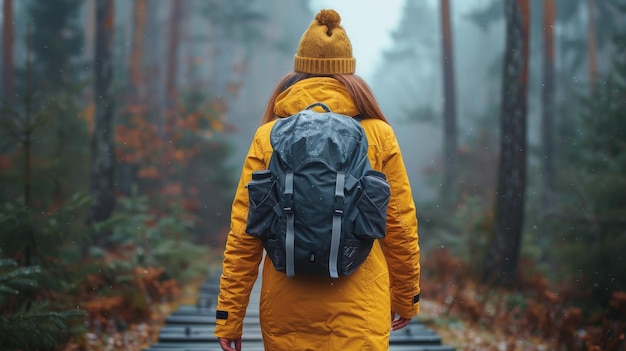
pixel 29 325
pixel 57 41
pixel 593 204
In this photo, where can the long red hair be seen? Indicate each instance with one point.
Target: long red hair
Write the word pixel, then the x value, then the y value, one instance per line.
pixel 358 89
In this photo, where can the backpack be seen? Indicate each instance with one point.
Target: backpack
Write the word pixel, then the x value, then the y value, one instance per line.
pixel 319 206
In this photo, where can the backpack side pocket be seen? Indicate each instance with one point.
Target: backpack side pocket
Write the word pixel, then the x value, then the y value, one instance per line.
pixel 353 254
pixel 371 218
pixel 276 253
pixel 262 199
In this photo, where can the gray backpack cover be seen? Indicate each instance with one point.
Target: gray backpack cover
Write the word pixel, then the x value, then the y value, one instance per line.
pixel 319 207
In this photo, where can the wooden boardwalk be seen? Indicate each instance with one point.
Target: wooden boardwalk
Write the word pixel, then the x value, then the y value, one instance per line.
pixel 190 328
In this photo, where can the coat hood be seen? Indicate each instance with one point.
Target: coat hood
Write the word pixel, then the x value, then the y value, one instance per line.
pixel 300 95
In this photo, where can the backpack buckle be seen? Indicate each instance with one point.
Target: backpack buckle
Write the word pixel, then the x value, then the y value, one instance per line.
pixel 339 205
pixel 288 204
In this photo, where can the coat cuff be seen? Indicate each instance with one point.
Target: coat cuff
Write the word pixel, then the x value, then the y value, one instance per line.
pixel 407 308
pixel 226 326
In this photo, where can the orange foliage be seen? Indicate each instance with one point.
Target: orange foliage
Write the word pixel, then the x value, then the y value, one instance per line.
pixel 147 279
pixel 136 109
pixel 149 173
pixel 172 189
pixel 101 308
pixel 138 142
pixel 162 154
pixel 570 322
pixel 88 115
pixel 449 274
pixel 141 142
pixel 469 308
pixel 6 162
pixel 124 306
pixel 233 88
pixel 535 310
pixel 192 122
pixel 618 301
pixel 190 205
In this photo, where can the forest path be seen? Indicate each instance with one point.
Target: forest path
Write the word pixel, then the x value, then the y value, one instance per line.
pixel 191 327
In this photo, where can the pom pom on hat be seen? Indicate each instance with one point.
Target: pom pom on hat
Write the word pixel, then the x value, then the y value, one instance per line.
pixel 328 18
pixel 325 48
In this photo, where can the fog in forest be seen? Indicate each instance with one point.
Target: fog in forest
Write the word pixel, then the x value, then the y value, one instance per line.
pixel 124 126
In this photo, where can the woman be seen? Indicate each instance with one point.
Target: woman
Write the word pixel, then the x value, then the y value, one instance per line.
pixel 303 313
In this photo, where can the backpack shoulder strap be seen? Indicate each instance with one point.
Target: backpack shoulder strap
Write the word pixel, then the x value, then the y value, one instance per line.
pixel 290 231
pixel 336 229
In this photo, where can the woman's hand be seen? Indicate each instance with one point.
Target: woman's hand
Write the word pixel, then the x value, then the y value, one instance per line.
pixel 225 344
pixel 400 322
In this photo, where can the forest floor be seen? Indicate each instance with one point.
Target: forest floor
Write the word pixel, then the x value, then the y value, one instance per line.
pixel 136 336
pixel 466 336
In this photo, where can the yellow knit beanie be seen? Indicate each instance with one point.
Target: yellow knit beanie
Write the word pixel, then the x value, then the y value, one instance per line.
pixel 324 47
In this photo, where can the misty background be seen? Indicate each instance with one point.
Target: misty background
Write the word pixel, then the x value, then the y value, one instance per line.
pixel 124 125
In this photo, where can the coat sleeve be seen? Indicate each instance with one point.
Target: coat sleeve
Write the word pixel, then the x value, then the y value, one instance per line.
pixel 242 256
pixel 401 246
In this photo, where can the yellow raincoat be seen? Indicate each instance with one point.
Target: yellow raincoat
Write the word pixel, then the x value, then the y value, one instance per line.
pixel 300 313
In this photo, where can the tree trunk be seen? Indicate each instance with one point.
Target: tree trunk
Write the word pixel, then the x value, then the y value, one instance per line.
pixel 449 190
pixel 136 96
pixel 503 250
pixel 89 29
pixel 171 91
pixel 7 52
pixel 172 66
pixel 136 57
pixel 154 61
pixel 547 102
pixel 28 130
pixel 591 42
pixel 102 148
